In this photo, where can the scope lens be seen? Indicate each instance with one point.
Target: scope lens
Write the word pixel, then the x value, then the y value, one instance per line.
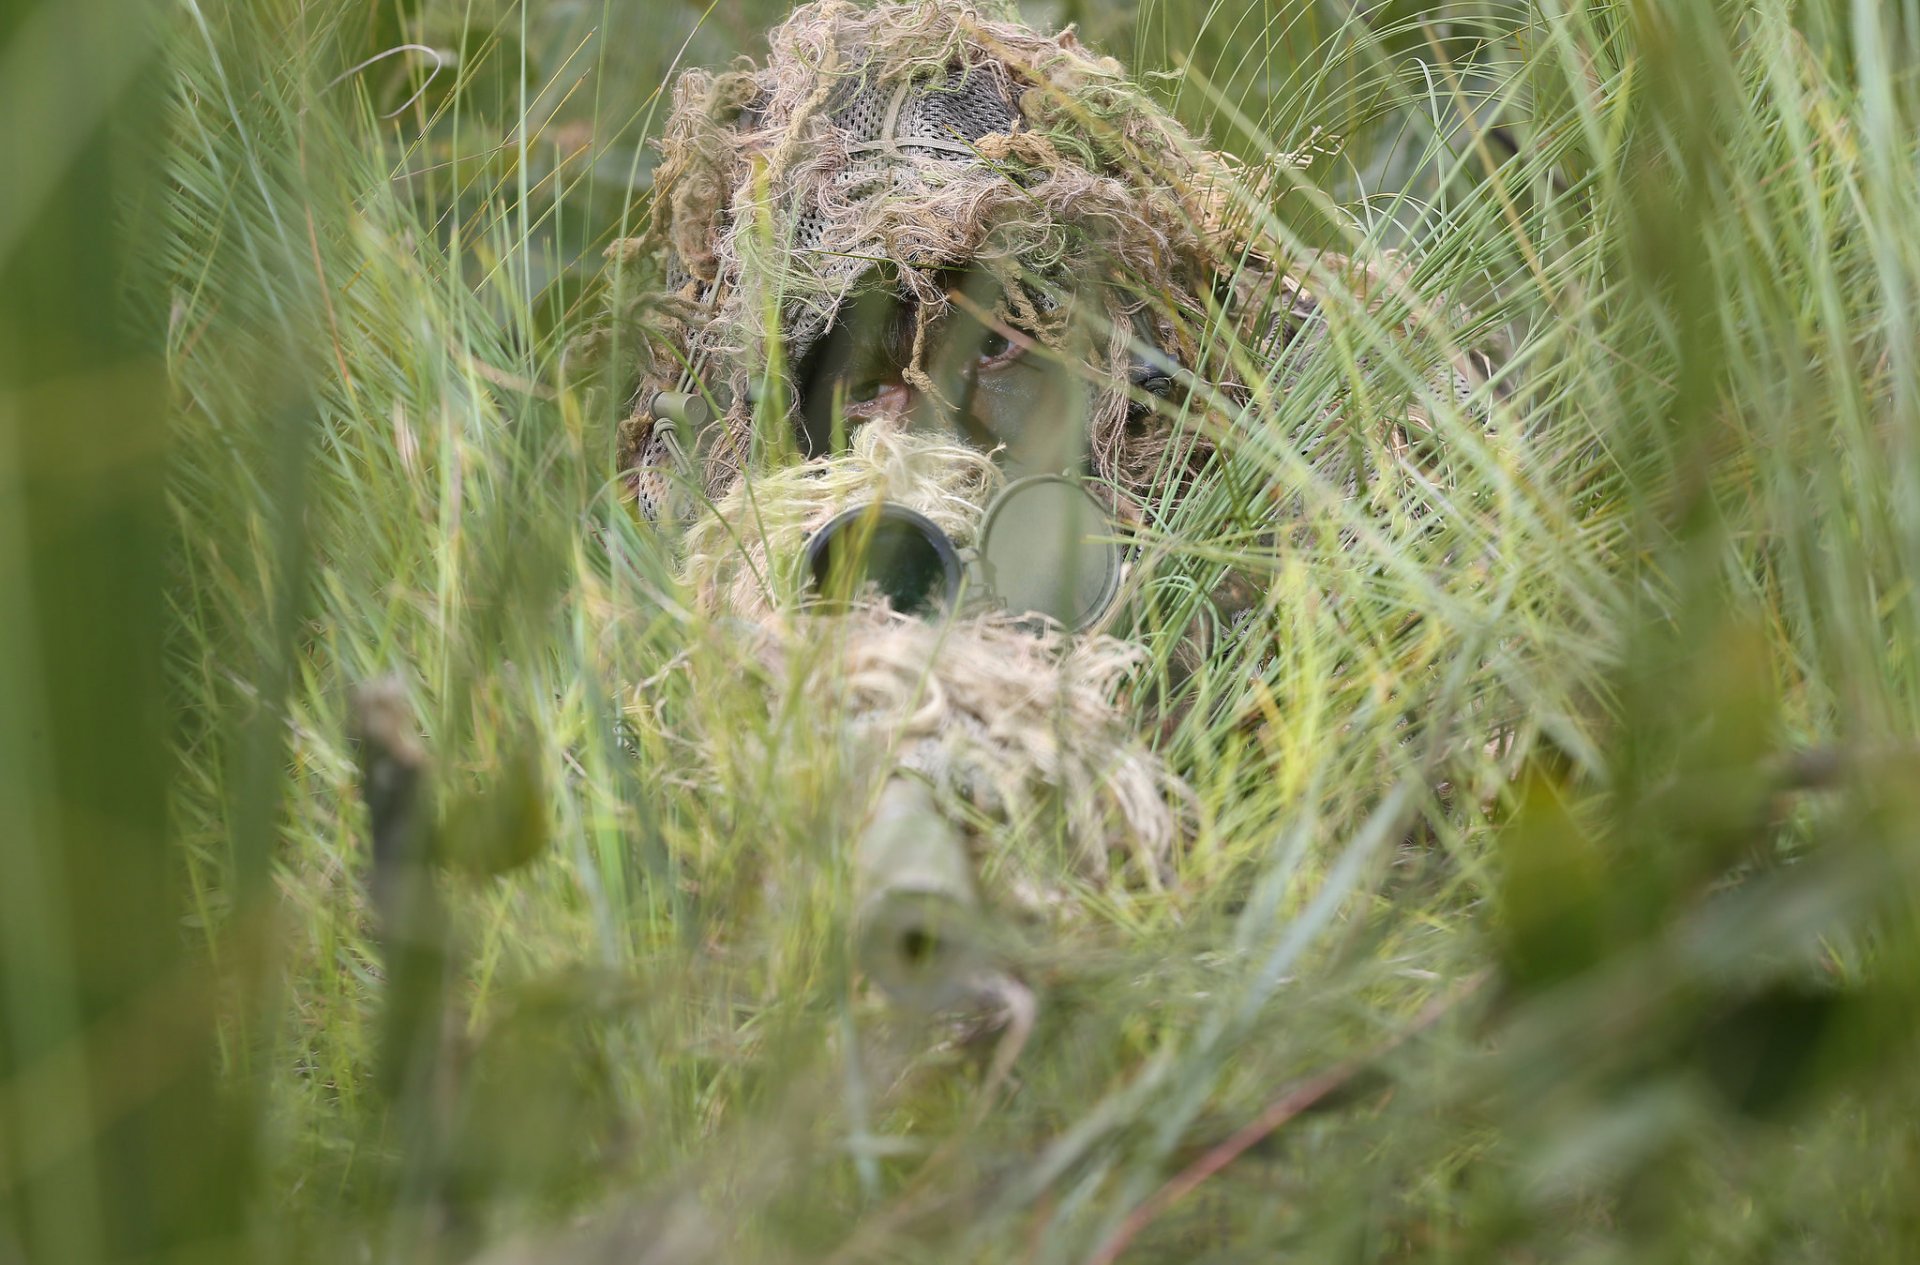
pixel 899 552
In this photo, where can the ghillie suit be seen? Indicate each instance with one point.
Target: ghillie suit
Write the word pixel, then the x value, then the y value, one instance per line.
pixel 914 138
pixel 894 146
pixel 920 137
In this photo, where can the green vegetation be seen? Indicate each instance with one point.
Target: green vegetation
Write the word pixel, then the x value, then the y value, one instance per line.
pixel 1554 887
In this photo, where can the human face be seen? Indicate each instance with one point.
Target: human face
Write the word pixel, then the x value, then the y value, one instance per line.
pixel 997 389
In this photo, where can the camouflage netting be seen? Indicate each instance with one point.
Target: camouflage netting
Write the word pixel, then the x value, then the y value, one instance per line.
pixel 1020 734
pixel 921 138
pixel 907 142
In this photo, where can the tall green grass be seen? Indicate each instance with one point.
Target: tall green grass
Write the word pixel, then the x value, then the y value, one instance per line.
pixel 1553 887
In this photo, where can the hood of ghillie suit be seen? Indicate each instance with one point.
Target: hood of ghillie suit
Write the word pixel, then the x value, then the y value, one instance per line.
pixel 910 140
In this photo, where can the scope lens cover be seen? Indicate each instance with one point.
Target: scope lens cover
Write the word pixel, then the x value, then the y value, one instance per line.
pixel 1046 548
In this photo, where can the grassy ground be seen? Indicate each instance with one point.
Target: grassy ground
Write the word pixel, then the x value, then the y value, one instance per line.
pixel 1635 983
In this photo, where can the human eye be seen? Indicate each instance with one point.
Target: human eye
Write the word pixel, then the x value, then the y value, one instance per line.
pixel 997 348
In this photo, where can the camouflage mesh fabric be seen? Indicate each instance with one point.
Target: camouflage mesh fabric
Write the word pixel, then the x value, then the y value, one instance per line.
pixel 918 138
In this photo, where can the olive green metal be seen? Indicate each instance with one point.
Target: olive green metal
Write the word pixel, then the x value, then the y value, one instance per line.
pixel 919 930
pixel 688 408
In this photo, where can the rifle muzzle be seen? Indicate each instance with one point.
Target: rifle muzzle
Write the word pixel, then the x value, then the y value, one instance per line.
pixel 919 929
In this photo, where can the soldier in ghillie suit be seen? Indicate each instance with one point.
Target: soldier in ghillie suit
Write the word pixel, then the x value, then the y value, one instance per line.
pixel 906 212
pixel 916 255
pixel 920 170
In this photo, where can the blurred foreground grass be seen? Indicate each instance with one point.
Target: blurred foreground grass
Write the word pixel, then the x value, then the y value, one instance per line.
pixel 287 410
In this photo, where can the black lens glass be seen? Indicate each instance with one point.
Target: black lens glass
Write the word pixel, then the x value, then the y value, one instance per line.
pixel 896 551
